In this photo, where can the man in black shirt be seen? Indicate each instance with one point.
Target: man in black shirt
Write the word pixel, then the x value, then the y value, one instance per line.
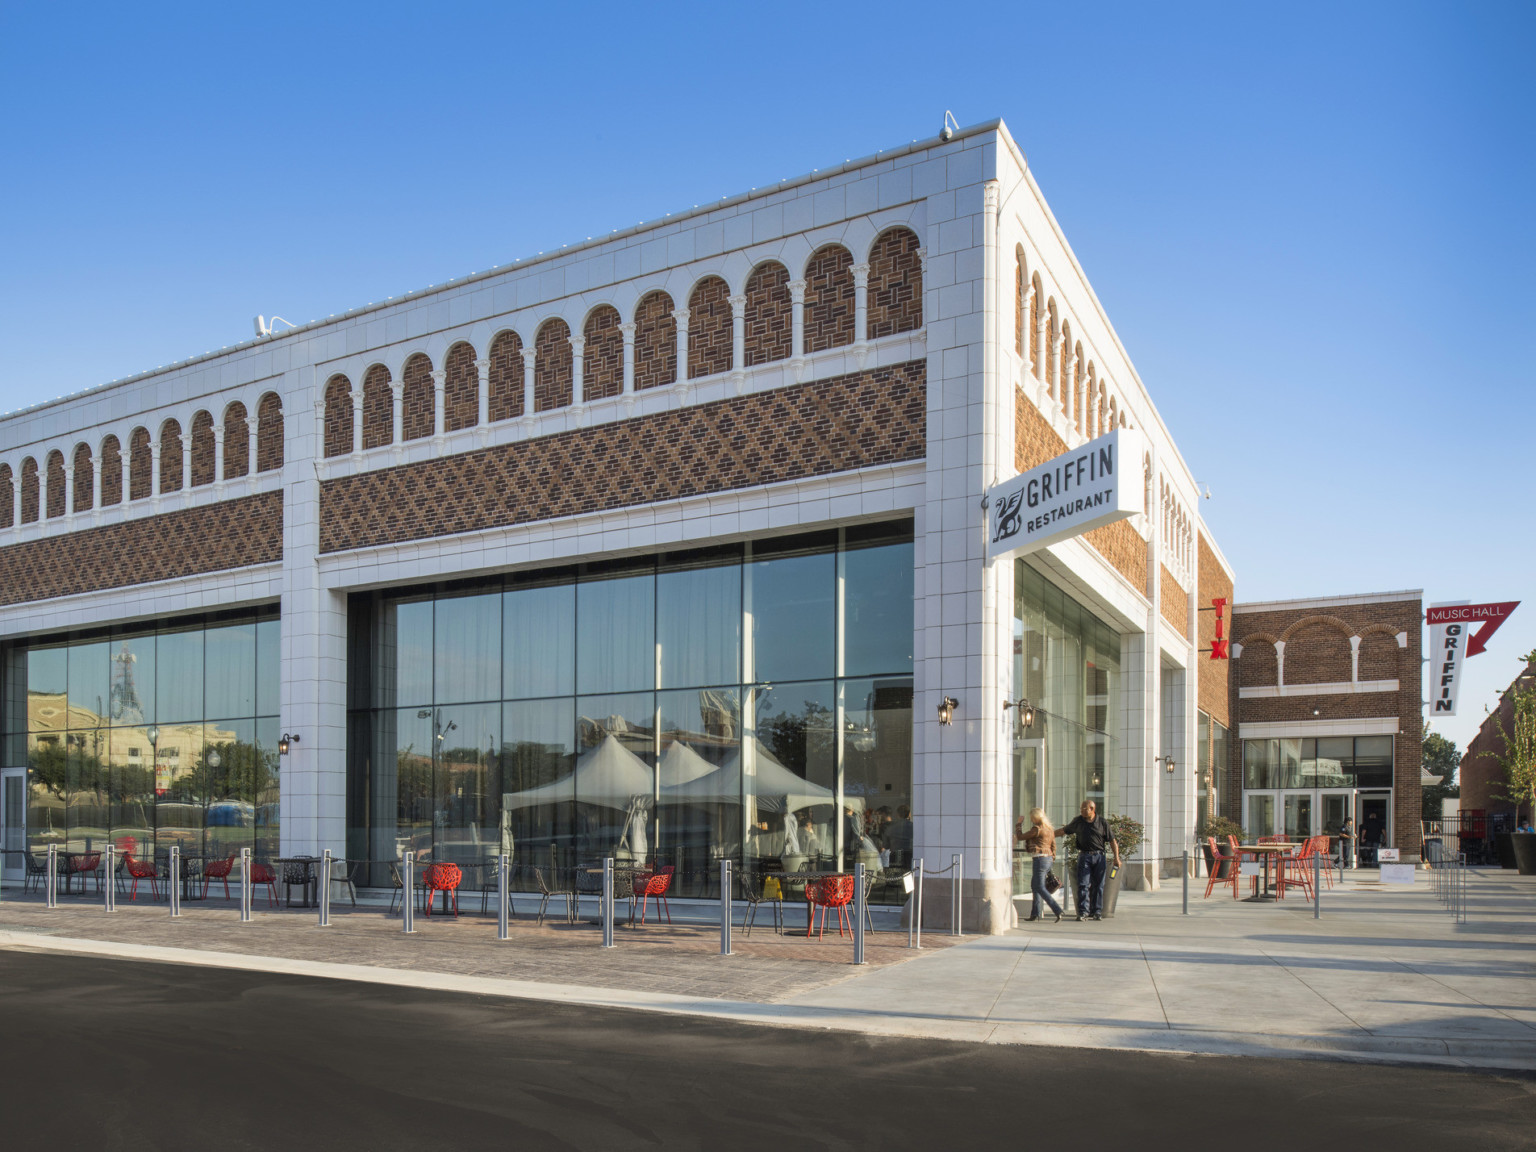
pixel 1093 833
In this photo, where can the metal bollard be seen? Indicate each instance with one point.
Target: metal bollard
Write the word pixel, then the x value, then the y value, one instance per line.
pixel 503 896
pixel 955 927
pixel 324 895
pixel 51 887
pixel 173 881
pixel 917 912
pixel 245 885
pixel 1184 872
pixel 607 909
pixel 1317 886
pixel 725 907
pixel 407 896
pixel 109 861
pixel 858 913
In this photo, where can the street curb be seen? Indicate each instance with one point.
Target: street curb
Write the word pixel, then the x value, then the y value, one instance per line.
pixel 1481 1053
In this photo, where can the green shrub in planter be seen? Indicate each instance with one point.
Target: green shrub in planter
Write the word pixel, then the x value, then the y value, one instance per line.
pixel 1219 827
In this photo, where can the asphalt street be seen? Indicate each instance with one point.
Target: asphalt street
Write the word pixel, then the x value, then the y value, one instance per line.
pixel 106 1055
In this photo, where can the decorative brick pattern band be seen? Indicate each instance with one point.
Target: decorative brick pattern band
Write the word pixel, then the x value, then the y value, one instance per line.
pixel 709 328
pixel 895 284
pixel 552 366
pixel 655 342
pixel 769 326
pixel 461 388
pixel 506 385
pixel 416 401
pixel 229 534
pixel 813 429
pixel 602 365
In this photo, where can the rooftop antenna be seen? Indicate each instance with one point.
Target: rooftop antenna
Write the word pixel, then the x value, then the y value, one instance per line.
pixel 264 326
pixel 951 126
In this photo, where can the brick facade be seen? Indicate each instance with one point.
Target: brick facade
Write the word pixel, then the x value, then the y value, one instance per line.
pixel 7 497
pixel 269 433
pixel 55 481
pixel 1483 785
pixel 1215 676
pixel 895 284
pixel 29 491
pixel 140 466
pixel 812 429
pixel 602 368
pixel 552 366
pixel 202 451
pixel 769 319
pixel 214 537
pixel 416 399
pixel 506 377
pixel 85 477
pixel 170 457
pixel 829 299
pixel 338 416
pixel 655 341
pixel 378 409
pixel 461 388
pixel 1173 602
pixel 1316 635
pixel 709 328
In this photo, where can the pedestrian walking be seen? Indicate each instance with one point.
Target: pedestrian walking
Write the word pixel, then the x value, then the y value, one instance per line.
pixel 1093 836
pixel 1347 843
pixel 1040 841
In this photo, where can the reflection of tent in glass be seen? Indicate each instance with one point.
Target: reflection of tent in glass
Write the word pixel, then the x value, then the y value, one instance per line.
pixel 609 775
pixel 772 786
pixel 681 764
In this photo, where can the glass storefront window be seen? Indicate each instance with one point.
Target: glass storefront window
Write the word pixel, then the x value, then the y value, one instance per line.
pixel 538 644
pixel 1325 762
pixel 791 607
pixel 616 632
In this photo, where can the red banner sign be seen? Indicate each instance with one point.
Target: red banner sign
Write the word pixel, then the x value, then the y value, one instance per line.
pixel 1490 616
pixel 1219 644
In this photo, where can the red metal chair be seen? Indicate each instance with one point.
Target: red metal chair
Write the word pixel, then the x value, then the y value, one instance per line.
pixel 1217 860
pixel 656 884
pixel 217 870
pixel 265 874
pixel 1239 857
pixel 142 870
pixel 444 878
pixel 1296 867
pixel 83 865
pixel 827 893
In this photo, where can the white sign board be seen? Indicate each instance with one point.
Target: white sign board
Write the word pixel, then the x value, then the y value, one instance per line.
pixel 1447 649
pixel 1398 873
pixel 1386 855
pixel 1090 486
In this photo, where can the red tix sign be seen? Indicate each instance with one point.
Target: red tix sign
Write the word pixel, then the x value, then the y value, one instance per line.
pixel 1490 616
pixel 1219 644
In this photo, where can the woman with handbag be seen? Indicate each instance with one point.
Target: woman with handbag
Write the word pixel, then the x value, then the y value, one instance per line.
pixel 1040 840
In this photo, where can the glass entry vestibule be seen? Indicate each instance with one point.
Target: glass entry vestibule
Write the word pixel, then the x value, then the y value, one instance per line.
pixel 1308 787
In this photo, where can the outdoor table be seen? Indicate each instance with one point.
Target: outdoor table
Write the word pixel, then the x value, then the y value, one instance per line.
pixel 1265 852
pixel 597 870
pixel 189 876
pixel 309 885
pixel 81 864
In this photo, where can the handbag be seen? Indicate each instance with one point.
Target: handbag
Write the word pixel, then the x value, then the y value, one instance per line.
pixel 1052 885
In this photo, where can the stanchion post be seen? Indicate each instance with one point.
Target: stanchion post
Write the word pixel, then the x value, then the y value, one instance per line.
pixel 1184 873
pixel 503 896
pixel 323 896
pixel 917 913
pixel 607 908
pixel 1317 886
pixel 956 928
pixel 725 907
pixel 109 889
pixel 173 881
pixel 407 895
pixel 245 885
pixel 858 913
pixel 51 886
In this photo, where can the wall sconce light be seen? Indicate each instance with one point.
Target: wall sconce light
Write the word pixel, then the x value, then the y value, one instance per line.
pixel 1317 711
pixel 283 742
pixel 947 710
pixel 1166 761
pixel 1026 712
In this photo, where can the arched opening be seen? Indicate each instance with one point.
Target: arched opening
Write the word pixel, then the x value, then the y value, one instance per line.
pixel 237 441
pixel 895 284
pixel 170 457
pixel 1034 329
pixel 506 377
pixel 141 465
pixel 338 416
pixel 378 408
pixel 769 311
pixel 416 399
pixel 29 500
pixel 709 328
pixel 830 299
pixel 269 433
pixel 552 366
pixel 655 341
pixel 202 449
pixel 111 472
pixel 602 360
pixel 7 497
pixel 461 388
pixel 85 478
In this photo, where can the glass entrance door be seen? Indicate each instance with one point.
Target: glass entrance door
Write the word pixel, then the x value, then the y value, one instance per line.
pixel 1028 787
pixel 13 823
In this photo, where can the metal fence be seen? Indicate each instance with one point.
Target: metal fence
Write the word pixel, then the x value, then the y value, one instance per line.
pixel 1448 876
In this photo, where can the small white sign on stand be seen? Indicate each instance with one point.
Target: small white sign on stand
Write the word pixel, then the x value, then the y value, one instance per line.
pixel 1386 856
pixel 1398 873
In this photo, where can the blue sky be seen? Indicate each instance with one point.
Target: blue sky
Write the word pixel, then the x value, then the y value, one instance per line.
pixel 1311 224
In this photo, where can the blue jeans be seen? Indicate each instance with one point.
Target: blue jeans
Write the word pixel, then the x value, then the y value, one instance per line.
pixel 1091 870
pixel 1037 886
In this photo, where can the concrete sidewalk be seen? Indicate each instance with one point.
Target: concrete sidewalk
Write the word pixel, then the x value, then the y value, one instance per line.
pixel 1384 975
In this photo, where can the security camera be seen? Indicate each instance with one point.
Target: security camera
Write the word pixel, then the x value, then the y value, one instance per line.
pixel 261 325
pixel 947 134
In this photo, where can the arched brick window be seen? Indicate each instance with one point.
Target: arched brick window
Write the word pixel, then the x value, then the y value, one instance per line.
pixel 7 497
pixel 1090 418
pixel 1114 415
pixel 1066 369
pixel 1020 299
pixel 1379 655
pixel 416 399
pixel 202 449
pixel 461 388
pixel 655 342
pixel 1317 651
pixel 770 334
pixel 55 484
pixel 111 472
pixel 237 441
pixel 552 368
pixel 1258 666
pixel 602 364
pixel 85 478
pixel 170 457
pixel 1052 335
pixel 29 507
pixel 709 328
pixel 338 416
pixel 1034 329
pixel 1078 402
pixel 895 284
pixel 829 298
pixel 269 433
pixel 378 408
pixel 506 384
pixel 141 465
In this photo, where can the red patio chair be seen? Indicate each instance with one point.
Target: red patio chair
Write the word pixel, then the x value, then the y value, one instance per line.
pixel 444 878
pixel 217 870
pixel 828 893
pixel 265 874
pixel 1217 860
pixel 656 884
pixel 142 870
pixel 1238 859
pixel 83 865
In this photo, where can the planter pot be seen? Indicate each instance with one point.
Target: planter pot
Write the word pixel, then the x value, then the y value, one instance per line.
pixel 1504 848
pixel 1524 845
